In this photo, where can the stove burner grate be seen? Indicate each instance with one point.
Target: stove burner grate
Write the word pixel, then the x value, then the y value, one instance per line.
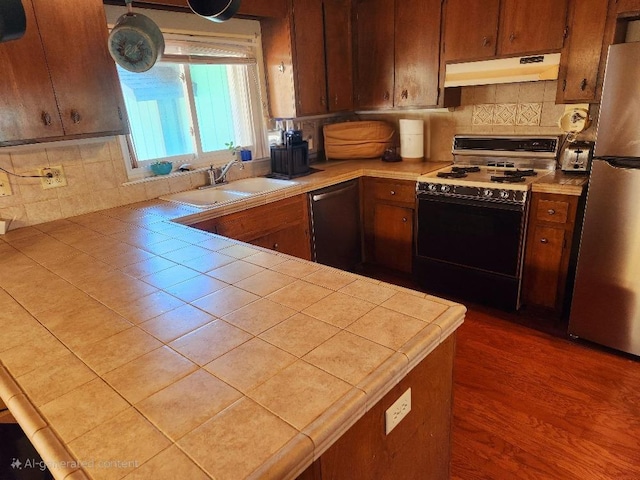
pixel 507 179
pixel 452 174
pixel 520 173
pixel 465 169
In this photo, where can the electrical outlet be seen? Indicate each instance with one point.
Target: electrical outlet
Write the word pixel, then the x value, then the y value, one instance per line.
pixel 396 412
pixel 5 186
pixel 53 177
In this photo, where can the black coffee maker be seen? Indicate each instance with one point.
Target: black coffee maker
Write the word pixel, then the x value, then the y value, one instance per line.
pixel 291 159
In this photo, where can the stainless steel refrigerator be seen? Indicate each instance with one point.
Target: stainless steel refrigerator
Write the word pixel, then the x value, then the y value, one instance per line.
pixel 606 300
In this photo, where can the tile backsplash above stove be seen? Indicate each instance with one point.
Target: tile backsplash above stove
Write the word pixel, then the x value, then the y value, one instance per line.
pixel 522 114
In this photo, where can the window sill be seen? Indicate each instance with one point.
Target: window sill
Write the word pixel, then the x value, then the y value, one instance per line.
pixel 137 181
pixel 161 177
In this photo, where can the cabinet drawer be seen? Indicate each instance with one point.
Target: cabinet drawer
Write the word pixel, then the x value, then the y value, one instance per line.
pixel 395 191
pixel 551 211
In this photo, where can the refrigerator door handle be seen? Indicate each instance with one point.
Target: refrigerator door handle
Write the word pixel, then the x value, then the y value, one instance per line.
pixel 626 163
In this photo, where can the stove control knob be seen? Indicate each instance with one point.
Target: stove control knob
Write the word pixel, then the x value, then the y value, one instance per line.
pixel 487 192
pixel 504 194
pixel 445 188
pixel 432 187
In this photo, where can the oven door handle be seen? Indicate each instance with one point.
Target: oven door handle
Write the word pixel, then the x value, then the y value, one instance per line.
pixel 470 202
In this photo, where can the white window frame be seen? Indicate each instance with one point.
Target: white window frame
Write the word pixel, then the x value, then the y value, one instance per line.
pixel 186 27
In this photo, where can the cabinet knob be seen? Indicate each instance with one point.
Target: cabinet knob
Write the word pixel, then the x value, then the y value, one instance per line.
pixel 46 119
pixel 75 116
pixel 404 219
pixel 485 41
pixel 512 37
pixel 544 240
pixel 393 192
pixel 275 246
pixel 583 84
pixel 405 94
pixel 386 95
pixel 551 211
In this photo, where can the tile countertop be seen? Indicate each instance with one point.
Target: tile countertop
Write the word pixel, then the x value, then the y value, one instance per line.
pixel 136 347
pixel 561 183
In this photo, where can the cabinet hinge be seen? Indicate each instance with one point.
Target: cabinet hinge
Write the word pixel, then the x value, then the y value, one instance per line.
pixel 120 113
pixel 565 34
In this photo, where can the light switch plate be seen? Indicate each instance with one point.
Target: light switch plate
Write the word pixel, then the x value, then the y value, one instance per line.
pixel 5 186
pixel 396 412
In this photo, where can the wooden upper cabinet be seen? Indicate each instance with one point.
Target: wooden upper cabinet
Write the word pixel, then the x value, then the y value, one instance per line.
pixel 28 106
pixel 375 53
pixel 339 54
pixel 59 79
pixel 83 73
pixel 303 78
pixel 482 29
pixel 470 29
pixel 531 26
pixel 417 52
pixel 578 80
pixel 627 6
pixel 310 59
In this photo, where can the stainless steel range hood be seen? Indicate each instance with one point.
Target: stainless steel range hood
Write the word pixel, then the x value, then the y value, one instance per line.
pixel 503 70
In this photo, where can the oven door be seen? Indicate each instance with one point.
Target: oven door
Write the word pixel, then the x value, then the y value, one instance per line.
pixel 470 250
pixel 480 234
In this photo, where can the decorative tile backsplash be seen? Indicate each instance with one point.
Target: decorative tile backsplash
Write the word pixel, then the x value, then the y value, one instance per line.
pixel 523 114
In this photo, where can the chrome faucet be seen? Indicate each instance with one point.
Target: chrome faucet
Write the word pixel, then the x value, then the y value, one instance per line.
pixel 218 175
pixel 222 176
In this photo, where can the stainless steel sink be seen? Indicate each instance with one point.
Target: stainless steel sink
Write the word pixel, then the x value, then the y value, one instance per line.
pixel 227 193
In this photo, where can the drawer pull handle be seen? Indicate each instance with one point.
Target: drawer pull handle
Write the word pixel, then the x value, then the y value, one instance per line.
pixel 544 240
pixel 404 219
pixel 485 41
pixel 551 211
pixel 393 192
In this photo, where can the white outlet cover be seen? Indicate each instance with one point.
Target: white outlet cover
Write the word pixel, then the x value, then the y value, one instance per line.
pixel 396 412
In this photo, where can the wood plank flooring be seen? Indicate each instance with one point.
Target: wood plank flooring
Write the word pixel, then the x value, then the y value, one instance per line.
pixel 528 405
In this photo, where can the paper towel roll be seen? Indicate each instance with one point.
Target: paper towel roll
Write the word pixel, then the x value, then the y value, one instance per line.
pixel 411 138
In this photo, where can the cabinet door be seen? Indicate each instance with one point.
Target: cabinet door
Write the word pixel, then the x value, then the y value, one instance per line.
pixel 581 56
pixel 292 240
pixel 28 106
pixel 339 54
pixel 627 6
pixel 309 65
pixel 393 236
pixel 531 26
pixel 417 52
pixel 374 57
pixel 543 266
pixel 470 29
pixel 74 34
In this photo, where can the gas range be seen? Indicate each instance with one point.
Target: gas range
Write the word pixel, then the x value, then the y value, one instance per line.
pixel 498 169
pixel 472 217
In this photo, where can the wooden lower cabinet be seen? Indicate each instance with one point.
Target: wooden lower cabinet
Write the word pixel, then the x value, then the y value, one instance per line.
pixel 393 236
pixel 388 213
pixel 552 224
pixel 282 226
pixel 420 445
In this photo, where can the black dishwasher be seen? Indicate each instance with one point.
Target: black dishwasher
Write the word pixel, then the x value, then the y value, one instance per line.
pixel 335 225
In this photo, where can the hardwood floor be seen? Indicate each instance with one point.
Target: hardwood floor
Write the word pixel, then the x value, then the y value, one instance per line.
pixel 528 405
